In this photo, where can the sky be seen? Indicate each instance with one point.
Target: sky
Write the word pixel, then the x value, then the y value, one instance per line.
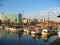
pixel 27 7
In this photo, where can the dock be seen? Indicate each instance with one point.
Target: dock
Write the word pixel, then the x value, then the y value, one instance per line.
pixel 56 42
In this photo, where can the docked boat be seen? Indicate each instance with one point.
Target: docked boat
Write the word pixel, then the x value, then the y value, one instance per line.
pixel 14 29
pixel 45 33
pixel 7 28
pixel 33 32
pixel 19 30
pixel 53 30
pixel 26 30
pixel 36 31
pixel 58 32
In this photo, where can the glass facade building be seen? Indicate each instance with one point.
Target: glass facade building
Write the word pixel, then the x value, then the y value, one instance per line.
pixel 19 18
pixel 13 17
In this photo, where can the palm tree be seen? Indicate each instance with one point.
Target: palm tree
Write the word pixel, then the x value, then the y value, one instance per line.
pixel 8 22
pixel 34 22
pixel 0 22
pixel 16 21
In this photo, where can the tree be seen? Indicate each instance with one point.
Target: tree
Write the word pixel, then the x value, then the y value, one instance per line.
pixel 16 21
pixel 0 22
pixel 12 23
pixel 8 22
pixel 34 21
pixel 5 22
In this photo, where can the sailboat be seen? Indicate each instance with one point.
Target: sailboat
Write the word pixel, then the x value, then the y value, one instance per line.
pixel 45 32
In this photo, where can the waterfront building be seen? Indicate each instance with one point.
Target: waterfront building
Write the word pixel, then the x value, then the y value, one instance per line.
pixel 43 20
pixel 26 20
pixel 3 17
pixel 13 17
pixel 50 23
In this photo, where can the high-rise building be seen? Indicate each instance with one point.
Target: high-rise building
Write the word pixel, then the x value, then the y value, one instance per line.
pixel 19 18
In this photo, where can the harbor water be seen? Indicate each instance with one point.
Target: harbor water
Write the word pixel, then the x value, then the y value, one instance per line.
pixel 10 38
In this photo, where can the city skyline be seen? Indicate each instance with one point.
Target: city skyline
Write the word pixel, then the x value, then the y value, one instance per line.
pixel 53 13
pixel 29 8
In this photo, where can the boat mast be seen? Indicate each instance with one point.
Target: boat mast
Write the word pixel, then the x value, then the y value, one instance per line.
pixel 48 19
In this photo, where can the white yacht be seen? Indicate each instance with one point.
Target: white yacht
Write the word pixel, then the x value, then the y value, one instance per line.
pixel 45 33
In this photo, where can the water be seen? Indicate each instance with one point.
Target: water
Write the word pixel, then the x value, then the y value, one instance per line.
pixel 9 38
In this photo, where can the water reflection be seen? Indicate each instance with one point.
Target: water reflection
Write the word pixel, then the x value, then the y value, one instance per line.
pixel 36 36
pixel 9 38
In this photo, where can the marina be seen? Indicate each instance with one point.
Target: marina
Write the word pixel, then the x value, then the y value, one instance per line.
pixel 29 22
pixel 13 38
